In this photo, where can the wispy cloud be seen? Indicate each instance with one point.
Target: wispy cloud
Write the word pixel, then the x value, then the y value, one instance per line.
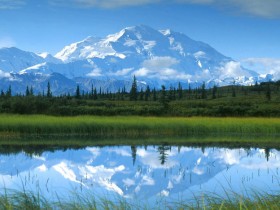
pixel 264 65
pixel 267 8
pixel 262 8
pixel 102 3
pixel 12 4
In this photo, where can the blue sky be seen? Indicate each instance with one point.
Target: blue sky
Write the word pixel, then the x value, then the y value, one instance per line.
pixel 246 30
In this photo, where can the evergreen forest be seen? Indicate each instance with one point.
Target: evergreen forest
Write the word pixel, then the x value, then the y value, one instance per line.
pixel 259 100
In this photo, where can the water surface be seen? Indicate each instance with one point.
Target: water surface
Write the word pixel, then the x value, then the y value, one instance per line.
pixel 137 173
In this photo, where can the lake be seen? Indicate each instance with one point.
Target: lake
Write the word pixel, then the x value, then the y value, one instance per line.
pixel 142 173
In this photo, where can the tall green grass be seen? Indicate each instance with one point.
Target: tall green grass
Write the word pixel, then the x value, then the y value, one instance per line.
pixel 28 200
pixel 19 125
pixel 41 130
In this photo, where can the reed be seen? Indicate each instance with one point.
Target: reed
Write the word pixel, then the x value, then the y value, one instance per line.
pixel 132 126
pixel 28 200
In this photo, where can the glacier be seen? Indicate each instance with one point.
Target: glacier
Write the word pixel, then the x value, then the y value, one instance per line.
pixel 155 57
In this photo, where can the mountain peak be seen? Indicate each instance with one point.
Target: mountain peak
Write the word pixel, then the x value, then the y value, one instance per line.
pixel 139 28
pixel 156 57
pixel 165 32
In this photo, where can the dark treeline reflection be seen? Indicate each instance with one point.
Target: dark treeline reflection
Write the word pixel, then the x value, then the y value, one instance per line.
pixel 162 150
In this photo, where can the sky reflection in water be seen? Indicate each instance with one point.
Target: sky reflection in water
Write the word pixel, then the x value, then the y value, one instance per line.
pixel 150 173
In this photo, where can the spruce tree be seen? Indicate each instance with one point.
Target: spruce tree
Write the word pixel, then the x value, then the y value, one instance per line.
pixel 147 93
pixel 170 94
pixel 163 153
pixel 190 91
pixel 233 92
pixel 180 91
pixel 133 154
pixel 31 91
pixel 78 94
pixel 203 91
pixel 214 91
pixel 49 93
pixel 94 94
pixel 9 91
pixel 92 91
pixel 163 99
pixel 27 92
pixel 141 95
pixel 154 94
pixel 268 92
pixel 133 91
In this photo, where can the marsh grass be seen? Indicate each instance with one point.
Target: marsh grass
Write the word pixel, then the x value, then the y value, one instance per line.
pixel 81 131
pixel 13 200
pixel 18 125
pixel 10 200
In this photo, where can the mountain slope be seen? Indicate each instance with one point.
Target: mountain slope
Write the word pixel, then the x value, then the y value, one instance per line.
pixel 155 57
pixel 13 59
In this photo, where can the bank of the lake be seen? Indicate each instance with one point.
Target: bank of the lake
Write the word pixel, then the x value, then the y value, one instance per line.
pixel 254 130
pixel 29 200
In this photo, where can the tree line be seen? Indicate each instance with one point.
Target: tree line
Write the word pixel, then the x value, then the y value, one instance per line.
pixel 255 100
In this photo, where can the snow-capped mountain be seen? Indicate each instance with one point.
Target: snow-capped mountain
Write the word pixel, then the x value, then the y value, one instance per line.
pixel 49 58
pixel 13 59
pixel 155 57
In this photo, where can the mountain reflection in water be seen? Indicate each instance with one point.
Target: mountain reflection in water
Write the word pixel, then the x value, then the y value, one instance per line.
pixel 142 172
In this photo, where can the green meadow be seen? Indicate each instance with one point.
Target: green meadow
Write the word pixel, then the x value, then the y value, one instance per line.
pixel 146 129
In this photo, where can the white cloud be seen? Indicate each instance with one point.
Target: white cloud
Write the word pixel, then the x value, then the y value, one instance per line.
pixel 95 73
pixel 233 69
pixel 11 4
pixel 42 168
pixel 263 65
pixel 128 182
pixel 7 42
pixel 203 75
pixel 141 72
pixel 199 54
pixel 122 72
pixel 160 67
pixel 121 152
pixel 160 62
pixel 230 157
pixel 64 170
pixel 4 74
pixel 198 171
pixel 146 180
